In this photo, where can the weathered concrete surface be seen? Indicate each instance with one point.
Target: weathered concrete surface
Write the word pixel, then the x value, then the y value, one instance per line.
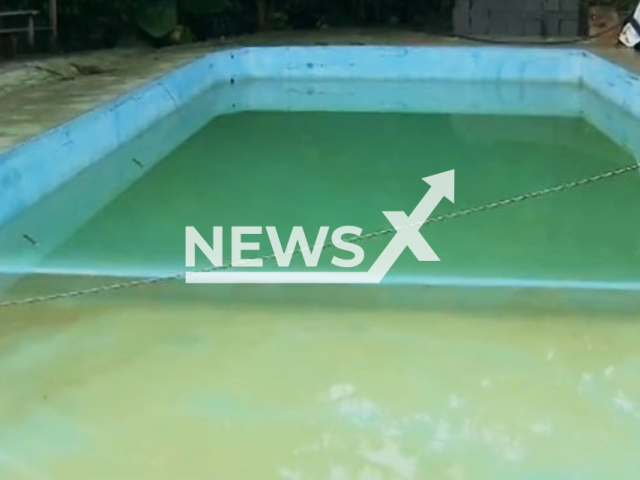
pixel 54 92
pixel 38 95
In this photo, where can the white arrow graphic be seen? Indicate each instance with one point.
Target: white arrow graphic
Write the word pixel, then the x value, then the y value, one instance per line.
pixel 408 228
pixel 408 235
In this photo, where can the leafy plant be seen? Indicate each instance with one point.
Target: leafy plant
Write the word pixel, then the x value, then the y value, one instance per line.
pixel 205 7
pixel 158 18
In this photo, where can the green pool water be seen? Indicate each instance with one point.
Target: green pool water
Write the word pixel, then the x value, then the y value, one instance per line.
pixel 126 216
pixel 333 169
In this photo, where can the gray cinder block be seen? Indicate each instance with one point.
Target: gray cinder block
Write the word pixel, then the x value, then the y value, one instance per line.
pixel 570 6
pixel 479 21
pixel 515 27
pixel 568 28
pixel 533 27
pixel 532 6
pixel 551 5
pixel 517 17
pixel 500 23
pixel 461 21
pixel 552 28
pixel 554 21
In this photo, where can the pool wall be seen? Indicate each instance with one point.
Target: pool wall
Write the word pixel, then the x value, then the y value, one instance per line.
pixel 38 166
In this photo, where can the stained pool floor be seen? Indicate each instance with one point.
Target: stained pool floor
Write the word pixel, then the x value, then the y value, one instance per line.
pixel 153 386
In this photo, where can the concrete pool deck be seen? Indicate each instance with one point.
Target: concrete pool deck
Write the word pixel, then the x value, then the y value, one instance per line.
pixel 39 95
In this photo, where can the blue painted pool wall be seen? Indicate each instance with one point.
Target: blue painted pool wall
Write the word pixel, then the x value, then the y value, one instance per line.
pixel 615 83
pixel 423 63
pixel 35 168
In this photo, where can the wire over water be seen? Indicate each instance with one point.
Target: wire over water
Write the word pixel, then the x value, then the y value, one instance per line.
pixel 356 239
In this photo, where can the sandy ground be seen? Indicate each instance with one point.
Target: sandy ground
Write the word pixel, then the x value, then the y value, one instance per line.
pixel 40 94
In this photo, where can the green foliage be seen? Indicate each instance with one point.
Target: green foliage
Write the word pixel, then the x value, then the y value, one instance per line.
pixel 102 23
pixel 279 21
pixel 205 7
pixel 157 18
pixel 160 18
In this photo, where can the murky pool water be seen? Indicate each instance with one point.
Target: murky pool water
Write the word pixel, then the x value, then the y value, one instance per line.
pixel 168 385
pixel 419 379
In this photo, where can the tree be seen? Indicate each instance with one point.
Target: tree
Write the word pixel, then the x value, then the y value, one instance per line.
pixel 262 10
pixel 158 18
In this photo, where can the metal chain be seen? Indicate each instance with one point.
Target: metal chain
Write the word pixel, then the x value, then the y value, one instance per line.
pixel 359 238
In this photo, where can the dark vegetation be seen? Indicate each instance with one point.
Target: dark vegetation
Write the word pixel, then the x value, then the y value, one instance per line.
pixel 100 23
pixel 87 24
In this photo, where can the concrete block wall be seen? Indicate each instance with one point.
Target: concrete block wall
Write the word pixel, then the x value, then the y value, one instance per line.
pixel 531 18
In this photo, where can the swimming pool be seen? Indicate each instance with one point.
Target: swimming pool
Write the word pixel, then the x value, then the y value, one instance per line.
pixel 532 375
pixel 523 112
